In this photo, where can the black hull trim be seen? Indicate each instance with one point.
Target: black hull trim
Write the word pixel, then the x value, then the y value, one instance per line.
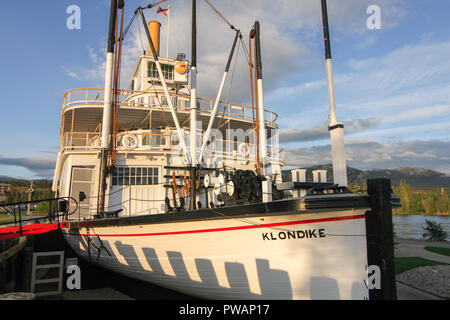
pixel 306 205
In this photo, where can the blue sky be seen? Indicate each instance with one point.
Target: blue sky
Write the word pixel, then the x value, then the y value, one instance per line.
pixel 392 84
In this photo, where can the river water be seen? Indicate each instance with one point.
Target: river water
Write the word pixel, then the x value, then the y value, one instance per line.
pixel 411 226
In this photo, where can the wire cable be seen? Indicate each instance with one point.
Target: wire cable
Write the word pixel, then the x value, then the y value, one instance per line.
pixel 220 15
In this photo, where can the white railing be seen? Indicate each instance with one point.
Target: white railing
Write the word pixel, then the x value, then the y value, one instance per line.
pixel 157 142
pixel 157 99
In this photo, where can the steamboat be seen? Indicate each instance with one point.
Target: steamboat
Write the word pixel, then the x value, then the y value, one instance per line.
pixel 186 192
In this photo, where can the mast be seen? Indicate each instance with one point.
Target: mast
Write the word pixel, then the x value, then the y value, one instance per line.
pixel 335 127
pixel 260 96
pixel 193 111
pixel 107 105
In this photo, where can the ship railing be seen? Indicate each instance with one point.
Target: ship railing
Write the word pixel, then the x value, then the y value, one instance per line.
pixel 81 141
pixel 157 99
pixel 57 211
pixel 147 141
pixel 243 152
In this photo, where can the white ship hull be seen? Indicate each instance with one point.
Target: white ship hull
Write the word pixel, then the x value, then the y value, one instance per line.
pixel 321 255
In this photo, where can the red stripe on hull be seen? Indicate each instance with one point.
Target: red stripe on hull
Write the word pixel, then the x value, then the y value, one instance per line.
pixel 267 225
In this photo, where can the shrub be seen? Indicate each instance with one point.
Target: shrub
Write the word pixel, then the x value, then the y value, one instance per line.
pixel 434 231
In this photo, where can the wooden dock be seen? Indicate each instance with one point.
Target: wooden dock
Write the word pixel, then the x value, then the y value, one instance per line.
pixel 15 256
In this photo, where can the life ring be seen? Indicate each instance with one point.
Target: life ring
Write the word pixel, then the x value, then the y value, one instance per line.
pixel 230 188
pixel 181 67
pixel 243 149
pixel 130 141
pixel 206 181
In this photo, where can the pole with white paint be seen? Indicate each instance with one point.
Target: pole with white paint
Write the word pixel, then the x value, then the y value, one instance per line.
pixel 260 95
pixel 193 110
pixel 107 104
pixel 335 127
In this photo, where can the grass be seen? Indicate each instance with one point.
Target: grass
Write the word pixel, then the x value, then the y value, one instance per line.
pixel 5 218
pixel 407 263
pixel 439 250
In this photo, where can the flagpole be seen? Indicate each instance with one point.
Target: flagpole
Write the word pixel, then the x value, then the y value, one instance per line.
pixel 168 31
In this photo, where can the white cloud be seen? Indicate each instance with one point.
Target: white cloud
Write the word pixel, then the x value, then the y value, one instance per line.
pixel 40 167
pixel 407 91
pixel 369 154
pixel 321 132
pixel 72 74
pixel 408 84
pixel 289 30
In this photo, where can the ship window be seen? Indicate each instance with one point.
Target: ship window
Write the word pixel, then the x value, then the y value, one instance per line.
pixel 125 176
pixel 144 176
pixel 138 176
pixel 167 70
pixel 133 176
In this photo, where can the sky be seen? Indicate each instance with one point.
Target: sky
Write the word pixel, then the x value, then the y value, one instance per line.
pixel 391 75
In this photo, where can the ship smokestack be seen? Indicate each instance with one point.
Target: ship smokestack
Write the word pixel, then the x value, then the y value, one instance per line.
pixel 154 27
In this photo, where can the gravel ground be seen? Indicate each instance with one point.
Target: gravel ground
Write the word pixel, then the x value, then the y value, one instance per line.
pixel 432 279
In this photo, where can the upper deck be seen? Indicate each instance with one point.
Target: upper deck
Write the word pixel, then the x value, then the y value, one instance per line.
pixel 87 105
pixel 146 114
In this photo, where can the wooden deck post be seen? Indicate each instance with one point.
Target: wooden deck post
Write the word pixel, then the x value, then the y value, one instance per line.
pixel 380 238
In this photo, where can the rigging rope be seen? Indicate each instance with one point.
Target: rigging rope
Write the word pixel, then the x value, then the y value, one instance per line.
pixel 128 27
pixel 219 125
pixel 220 15
pixel 140 37
pixel 246 53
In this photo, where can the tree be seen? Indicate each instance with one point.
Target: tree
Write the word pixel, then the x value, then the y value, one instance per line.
pixel 434 231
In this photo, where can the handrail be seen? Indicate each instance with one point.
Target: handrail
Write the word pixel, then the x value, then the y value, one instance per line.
pixel 226 148
pixel 94 96
pixel 64 208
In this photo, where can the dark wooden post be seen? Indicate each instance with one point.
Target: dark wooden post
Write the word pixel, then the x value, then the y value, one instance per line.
pixel 27 257
pixel 380 238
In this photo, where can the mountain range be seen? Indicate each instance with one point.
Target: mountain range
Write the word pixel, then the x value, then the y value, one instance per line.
pixel 416 177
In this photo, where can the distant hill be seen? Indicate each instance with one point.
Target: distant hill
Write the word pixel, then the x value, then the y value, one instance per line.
pixel 43 183
pixel 416 177
pixel 7 179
